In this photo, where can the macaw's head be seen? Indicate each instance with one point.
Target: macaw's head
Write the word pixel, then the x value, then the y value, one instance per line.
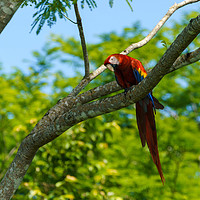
pixel 113 60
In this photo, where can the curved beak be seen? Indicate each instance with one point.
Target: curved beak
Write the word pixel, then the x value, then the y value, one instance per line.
pixel 110 67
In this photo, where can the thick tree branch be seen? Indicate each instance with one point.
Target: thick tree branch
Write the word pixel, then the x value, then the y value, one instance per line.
pixel 67 113
pixel 98 92
pixel 185 59
pixel 7 10
pixel 83 43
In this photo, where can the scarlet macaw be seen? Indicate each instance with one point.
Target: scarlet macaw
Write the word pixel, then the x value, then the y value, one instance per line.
pixel 129 71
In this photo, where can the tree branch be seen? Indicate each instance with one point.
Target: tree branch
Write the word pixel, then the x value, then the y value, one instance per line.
pixel 98 92
pixel 158 26
pixel 7 10
pixel 87 80
pixel 83 43
pixel 185 60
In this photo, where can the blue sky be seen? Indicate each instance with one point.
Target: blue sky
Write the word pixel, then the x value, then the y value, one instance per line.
pixel 17 43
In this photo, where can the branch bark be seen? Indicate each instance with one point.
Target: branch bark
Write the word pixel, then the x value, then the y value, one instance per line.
pixel 185 60
pixel 71 111
pixel 7 10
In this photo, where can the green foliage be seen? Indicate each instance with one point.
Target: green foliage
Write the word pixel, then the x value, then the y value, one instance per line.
pixel 49 10
pixel 102 158
pixel 128 2
pixel 111 3
pixel 91 3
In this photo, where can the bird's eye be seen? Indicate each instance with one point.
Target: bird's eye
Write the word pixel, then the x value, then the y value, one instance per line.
pixel 114 60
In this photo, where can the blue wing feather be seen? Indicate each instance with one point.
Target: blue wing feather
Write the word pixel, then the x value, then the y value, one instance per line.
pixel 139 78
pixel 151 99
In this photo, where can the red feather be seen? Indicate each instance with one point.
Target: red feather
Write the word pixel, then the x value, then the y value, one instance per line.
pixel 147 129
pixel 129 71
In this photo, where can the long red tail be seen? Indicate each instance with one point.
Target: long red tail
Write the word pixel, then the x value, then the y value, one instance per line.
pixel 147 130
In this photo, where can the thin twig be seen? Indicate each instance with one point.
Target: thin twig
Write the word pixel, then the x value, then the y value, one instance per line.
pixel 83 43
pixel 69 19
pixel 158 26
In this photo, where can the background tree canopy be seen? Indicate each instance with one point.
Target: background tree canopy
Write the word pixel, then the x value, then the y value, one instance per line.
pixel 102 158
pixel 49 11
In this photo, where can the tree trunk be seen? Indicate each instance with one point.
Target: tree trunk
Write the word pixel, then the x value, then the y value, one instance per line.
pixel 7 10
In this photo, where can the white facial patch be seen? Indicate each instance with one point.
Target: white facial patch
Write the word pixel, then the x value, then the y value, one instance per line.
pixel 113 60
